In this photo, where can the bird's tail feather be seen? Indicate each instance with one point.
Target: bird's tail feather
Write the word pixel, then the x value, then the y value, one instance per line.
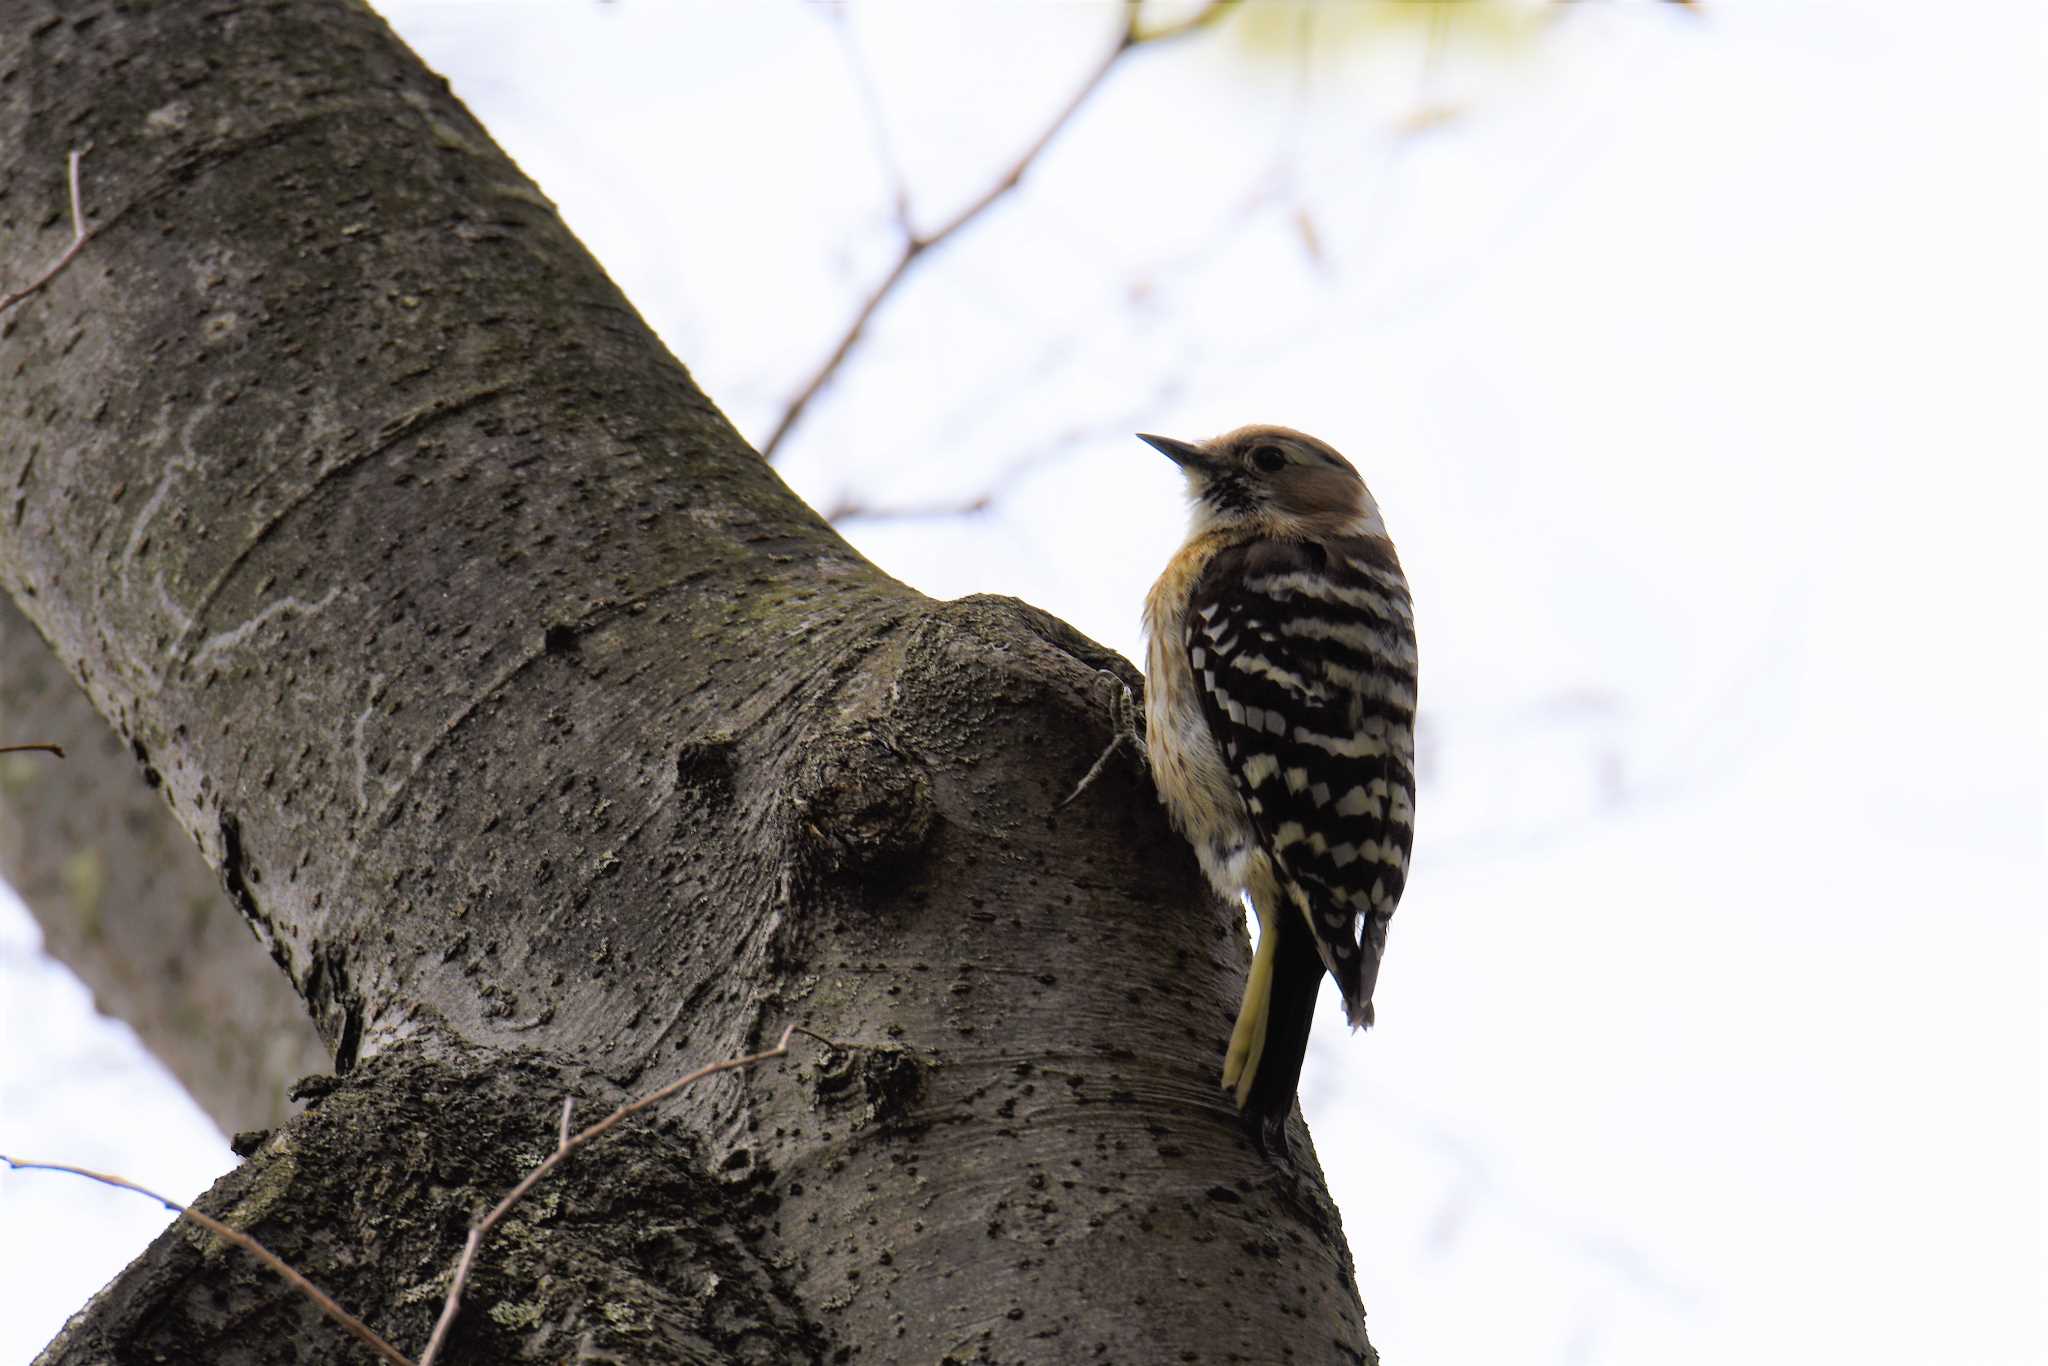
pixel 1248 1035
pixel 1266 1090
pixel 1357 984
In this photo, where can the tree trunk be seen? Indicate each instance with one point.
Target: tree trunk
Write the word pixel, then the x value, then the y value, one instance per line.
pixel 552 747
pixel 125 901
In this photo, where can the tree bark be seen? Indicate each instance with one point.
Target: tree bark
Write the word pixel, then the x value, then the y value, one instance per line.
pixel 552 747
pixel 127 903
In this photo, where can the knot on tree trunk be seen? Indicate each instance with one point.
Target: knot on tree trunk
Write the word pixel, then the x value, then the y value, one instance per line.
pixel 887 1080
pixel 862 808
pixel 704 770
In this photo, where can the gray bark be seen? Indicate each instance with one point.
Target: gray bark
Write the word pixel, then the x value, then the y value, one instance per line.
pixel 125 901
pixel 552 747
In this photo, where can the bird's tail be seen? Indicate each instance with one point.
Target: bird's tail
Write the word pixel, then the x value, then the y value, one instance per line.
pixel 1280 1020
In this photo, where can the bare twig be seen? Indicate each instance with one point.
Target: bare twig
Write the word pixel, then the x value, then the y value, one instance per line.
pixel 57 750
pixel 871 98
pixel 916 244
pixel 362 1331
pixel 567 1144
pixel 1059 447
pixel 850 509
pixel 80 235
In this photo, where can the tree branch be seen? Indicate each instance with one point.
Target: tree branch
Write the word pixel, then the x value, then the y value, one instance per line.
pixel 80 235
pixel 355 1326
pixel 452 1306
pixel 509 794
pixel 565 1145
pixel 916 244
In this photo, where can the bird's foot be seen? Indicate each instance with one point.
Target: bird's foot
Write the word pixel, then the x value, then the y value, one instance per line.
pixel 1269 1136
pixel 1123 720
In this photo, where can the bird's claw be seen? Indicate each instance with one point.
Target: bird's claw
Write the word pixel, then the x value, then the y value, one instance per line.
pixel 1123 712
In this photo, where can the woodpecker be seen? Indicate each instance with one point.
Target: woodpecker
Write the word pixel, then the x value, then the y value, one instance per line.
pixel 1280 727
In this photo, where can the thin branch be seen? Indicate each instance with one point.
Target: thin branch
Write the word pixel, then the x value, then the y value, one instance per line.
pixel 917 244
pixel 362 1331
pixel 848 507
pixel 851 509
pixel 1059 448
pixel 872 99
pixel 57 750
pixel 80 235
pixel 1166 33
pixel 567 1144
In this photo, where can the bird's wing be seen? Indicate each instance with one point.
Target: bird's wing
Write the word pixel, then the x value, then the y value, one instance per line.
pixel 1304 656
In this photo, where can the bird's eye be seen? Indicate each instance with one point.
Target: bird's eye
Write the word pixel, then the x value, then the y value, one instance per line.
pixel 1269 458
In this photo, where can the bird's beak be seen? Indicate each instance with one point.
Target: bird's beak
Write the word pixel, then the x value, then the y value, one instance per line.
pixel 1185 454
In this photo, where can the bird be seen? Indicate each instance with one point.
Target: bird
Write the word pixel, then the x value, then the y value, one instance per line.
pixel 1280 692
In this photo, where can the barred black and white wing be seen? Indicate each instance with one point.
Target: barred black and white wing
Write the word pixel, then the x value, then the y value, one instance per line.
pixel 1304 655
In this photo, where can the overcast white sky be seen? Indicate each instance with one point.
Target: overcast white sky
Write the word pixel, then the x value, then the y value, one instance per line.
pixel 1696 361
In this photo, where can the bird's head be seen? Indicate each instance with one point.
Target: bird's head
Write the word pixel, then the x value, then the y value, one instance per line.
pixel 1272 481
